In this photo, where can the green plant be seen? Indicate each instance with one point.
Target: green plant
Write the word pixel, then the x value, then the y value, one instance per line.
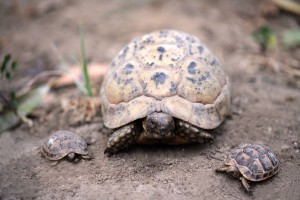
pixel 16 105
pixel 7 94
pixel 82 84
pixel 291 38
pixel 265 37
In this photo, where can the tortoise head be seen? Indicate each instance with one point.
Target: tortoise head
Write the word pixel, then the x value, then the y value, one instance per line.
pixel 159 125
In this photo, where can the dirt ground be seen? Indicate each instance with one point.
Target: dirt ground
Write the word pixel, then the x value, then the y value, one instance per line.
pixel 264 108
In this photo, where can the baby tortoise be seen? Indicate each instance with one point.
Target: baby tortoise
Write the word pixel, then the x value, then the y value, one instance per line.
pixel 251 162
pixel 165 86
pixel 65 144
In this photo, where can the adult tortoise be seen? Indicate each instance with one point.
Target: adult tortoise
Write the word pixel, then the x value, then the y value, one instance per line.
pixel 251 162
pixel 165 86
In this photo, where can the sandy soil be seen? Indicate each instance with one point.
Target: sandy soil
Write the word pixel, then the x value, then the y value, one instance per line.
pixel 264 108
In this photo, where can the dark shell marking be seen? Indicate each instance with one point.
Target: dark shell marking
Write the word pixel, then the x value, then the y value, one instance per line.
pixel 159 78
pixel 255 162
pixel 61 143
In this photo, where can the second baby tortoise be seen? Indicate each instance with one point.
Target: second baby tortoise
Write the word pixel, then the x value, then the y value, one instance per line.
pixel 165 86
pixel 251 162
pixel 65 144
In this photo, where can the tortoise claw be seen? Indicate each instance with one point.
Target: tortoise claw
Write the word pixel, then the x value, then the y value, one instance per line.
pixel 108 152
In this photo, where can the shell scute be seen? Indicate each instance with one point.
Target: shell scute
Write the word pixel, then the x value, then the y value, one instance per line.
pixel 199 84
pixel 123 85
pixel 273 159
pixel 243 159
pixel 266 162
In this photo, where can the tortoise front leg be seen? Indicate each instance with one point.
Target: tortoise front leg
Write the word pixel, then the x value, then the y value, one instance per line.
pixel 235 172
pixel 191 133
pixel 88 156
pixel 122 138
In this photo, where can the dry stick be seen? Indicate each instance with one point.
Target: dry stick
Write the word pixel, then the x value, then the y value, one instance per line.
pixel 28 85
pixel 288 5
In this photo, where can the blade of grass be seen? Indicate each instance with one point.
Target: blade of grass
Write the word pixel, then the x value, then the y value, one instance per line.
pixel 5 62
pixel 14 65
pixel 68 71
pixel 86 77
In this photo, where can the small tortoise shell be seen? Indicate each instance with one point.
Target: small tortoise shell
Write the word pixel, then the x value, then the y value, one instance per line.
pixel 62 143
pixel 255 162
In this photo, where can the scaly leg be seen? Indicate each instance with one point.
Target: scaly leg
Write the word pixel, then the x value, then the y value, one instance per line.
pixel 122 138
pixel 191 133
pixel 245 183
pixel 235 172
pixel 88 156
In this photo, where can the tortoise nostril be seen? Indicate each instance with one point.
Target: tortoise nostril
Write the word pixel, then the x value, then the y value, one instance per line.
pixel 152 123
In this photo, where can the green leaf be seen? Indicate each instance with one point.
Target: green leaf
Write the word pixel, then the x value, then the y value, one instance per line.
pixel 291 38
pixel 13 99
pixel 265 37
pixel 8 120
pixel 31 100
pixel 5 62
pixel 26 104
pixel 14 65
pixel 8 75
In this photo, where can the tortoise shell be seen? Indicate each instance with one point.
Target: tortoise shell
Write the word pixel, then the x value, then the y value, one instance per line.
pixel 255 162
pixel 165 71
pixel 62 143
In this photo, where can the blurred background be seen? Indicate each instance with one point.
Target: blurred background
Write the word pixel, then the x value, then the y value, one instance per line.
pixel 30 29
pixel 256 40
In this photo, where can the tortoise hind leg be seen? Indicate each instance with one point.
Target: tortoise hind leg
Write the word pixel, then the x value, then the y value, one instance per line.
pixel 191 133
pixel 122 138
pixel 245 184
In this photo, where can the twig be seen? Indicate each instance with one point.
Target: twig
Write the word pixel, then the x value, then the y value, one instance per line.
pixel 28 85
pixel 288 5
